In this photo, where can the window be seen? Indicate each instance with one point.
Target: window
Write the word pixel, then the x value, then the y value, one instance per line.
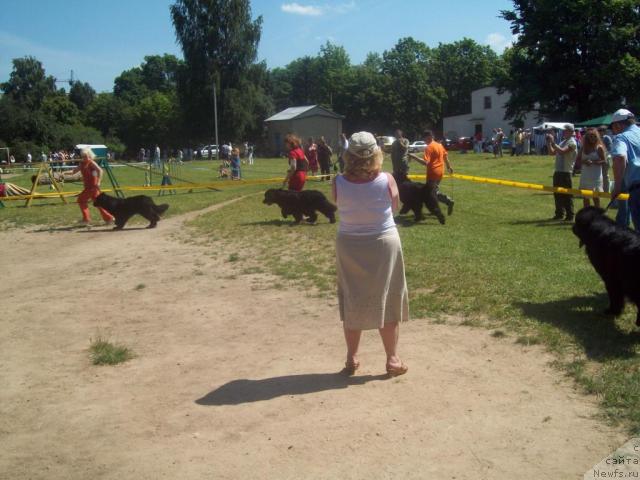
pixel 487 103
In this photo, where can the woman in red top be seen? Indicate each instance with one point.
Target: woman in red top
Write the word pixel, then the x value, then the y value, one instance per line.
pixel 298 163
pixel 311 152
pixel 91 177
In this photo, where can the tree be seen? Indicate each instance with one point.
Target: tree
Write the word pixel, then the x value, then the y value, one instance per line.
pixel 106 113
pixel 38 117
pixel 368 107
pixel 28 84
pixel 460 68
pixel 82 94
pixel 413 98
pixel 573 59
pixel 219 41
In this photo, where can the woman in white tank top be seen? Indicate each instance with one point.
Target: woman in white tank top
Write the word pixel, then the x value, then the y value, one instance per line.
pixel 372 289
pixel 592 157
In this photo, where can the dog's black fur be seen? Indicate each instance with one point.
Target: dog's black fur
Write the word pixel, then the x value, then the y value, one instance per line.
pixel 614 252
pixel 301 203
pixel 125 208
pixel 413 195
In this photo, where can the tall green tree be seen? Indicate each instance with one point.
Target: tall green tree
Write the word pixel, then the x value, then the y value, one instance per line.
pixel 219 41
pixel 28 84
pixel 37 116
pixel 460 68
pixel 414 99
pixel 573 59
pixel 82 94
pixel 368 108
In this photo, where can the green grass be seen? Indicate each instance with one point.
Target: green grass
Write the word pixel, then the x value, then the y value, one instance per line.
pixel 103 352
pixel 499 263
pixel 53 214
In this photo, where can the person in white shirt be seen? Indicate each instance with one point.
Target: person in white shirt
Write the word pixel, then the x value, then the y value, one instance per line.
pixel 372 289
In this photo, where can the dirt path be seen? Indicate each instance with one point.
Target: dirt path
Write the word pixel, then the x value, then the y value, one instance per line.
pixel 233 380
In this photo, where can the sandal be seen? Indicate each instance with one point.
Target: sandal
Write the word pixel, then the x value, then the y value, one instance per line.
pixel 350 368
pixel 396 371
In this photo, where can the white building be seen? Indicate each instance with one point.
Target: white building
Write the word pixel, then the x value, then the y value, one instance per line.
pixel 487 113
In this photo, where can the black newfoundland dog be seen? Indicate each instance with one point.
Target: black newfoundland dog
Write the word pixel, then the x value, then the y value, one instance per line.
pixel 614 252
pixel 413 195
pixel 299 204
pixel 125 208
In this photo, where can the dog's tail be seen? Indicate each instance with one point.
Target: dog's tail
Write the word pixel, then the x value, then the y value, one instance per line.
pixel 160 209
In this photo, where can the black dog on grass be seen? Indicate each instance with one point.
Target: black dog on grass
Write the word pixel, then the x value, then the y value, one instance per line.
pixel 299 204
pixel 614 252
pixel 413 195
pixel 125 208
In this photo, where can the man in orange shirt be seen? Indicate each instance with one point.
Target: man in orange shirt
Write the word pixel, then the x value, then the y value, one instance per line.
pixel 435 159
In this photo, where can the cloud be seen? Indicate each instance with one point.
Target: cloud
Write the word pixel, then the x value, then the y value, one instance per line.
pixel 297 9
pixel 317 10
pixel 328 38
pixel 343 8
pixel 499 42
pixel 22 46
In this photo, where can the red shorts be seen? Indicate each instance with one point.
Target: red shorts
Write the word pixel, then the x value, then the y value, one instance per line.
pixel 296 181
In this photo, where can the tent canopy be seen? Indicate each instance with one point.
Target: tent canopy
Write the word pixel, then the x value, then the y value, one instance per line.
pixel 551 125
pixel 596 122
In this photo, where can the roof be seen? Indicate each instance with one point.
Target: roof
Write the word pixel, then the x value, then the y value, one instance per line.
pixel 596 122
pixel 551 125
pixel 84 145
pixel 302 112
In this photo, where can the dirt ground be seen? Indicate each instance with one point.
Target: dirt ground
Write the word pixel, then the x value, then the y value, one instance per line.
pixel 236 380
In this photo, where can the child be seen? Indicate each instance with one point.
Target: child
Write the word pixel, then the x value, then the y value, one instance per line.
pixel 223 172
pixel 311 152
pixel 166 177
pixel 235 164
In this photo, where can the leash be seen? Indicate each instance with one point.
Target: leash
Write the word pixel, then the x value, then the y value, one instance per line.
pixel 613 199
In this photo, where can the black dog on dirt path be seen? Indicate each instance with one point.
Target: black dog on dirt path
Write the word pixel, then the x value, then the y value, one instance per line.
pixel 614 252
pixel 299 204
pixel 125 208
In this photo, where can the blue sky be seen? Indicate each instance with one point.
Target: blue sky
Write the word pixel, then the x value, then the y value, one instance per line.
pixel 98 39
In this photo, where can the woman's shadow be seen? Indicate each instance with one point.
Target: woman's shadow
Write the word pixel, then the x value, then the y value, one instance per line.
pixel 237 392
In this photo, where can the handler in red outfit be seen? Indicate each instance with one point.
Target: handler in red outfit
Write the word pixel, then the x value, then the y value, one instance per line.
pixel 91 178
pixel 298 164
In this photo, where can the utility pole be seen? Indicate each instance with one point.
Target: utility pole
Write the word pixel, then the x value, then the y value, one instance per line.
pixel 215 118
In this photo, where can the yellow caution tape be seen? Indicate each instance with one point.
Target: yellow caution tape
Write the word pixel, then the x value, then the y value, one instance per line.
pixel 267 181
pixel 140 188
pixel 529 186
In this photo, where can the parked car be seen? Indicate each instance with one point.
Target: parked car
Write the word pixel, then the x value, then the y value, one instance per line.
pixel 385 142
pixel 462 143
pixel 417 146
pixel 204 151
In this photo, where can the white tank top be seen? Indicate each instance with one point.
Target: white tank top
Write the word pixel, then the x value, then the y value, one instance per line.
pixel 364 208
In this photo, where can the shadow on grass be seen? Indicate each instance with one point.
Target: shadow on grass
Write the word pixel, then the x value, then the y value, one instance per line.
pixel 111 230
pixel 548 222
pixel 237 392
pixel 280 223
pixel 411 222
pixel 68 228
pixel 580 317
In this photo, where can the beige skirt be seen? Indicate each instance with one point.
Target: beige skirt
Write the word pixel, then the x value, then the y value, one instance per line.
pixel 372 289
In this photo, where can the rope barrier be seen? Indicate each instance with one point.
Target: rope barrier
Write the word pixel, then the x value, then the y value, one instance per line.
pixel 267 181
pixel 528 186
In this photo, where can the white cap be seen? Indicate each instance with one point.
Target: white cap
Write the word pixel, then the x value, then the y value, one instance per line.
pixel 363 144
pixel 621 115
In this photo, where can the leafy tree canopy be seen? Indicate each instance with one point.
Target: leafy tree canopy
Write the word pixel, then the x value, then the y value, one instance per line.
pixel 573 58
